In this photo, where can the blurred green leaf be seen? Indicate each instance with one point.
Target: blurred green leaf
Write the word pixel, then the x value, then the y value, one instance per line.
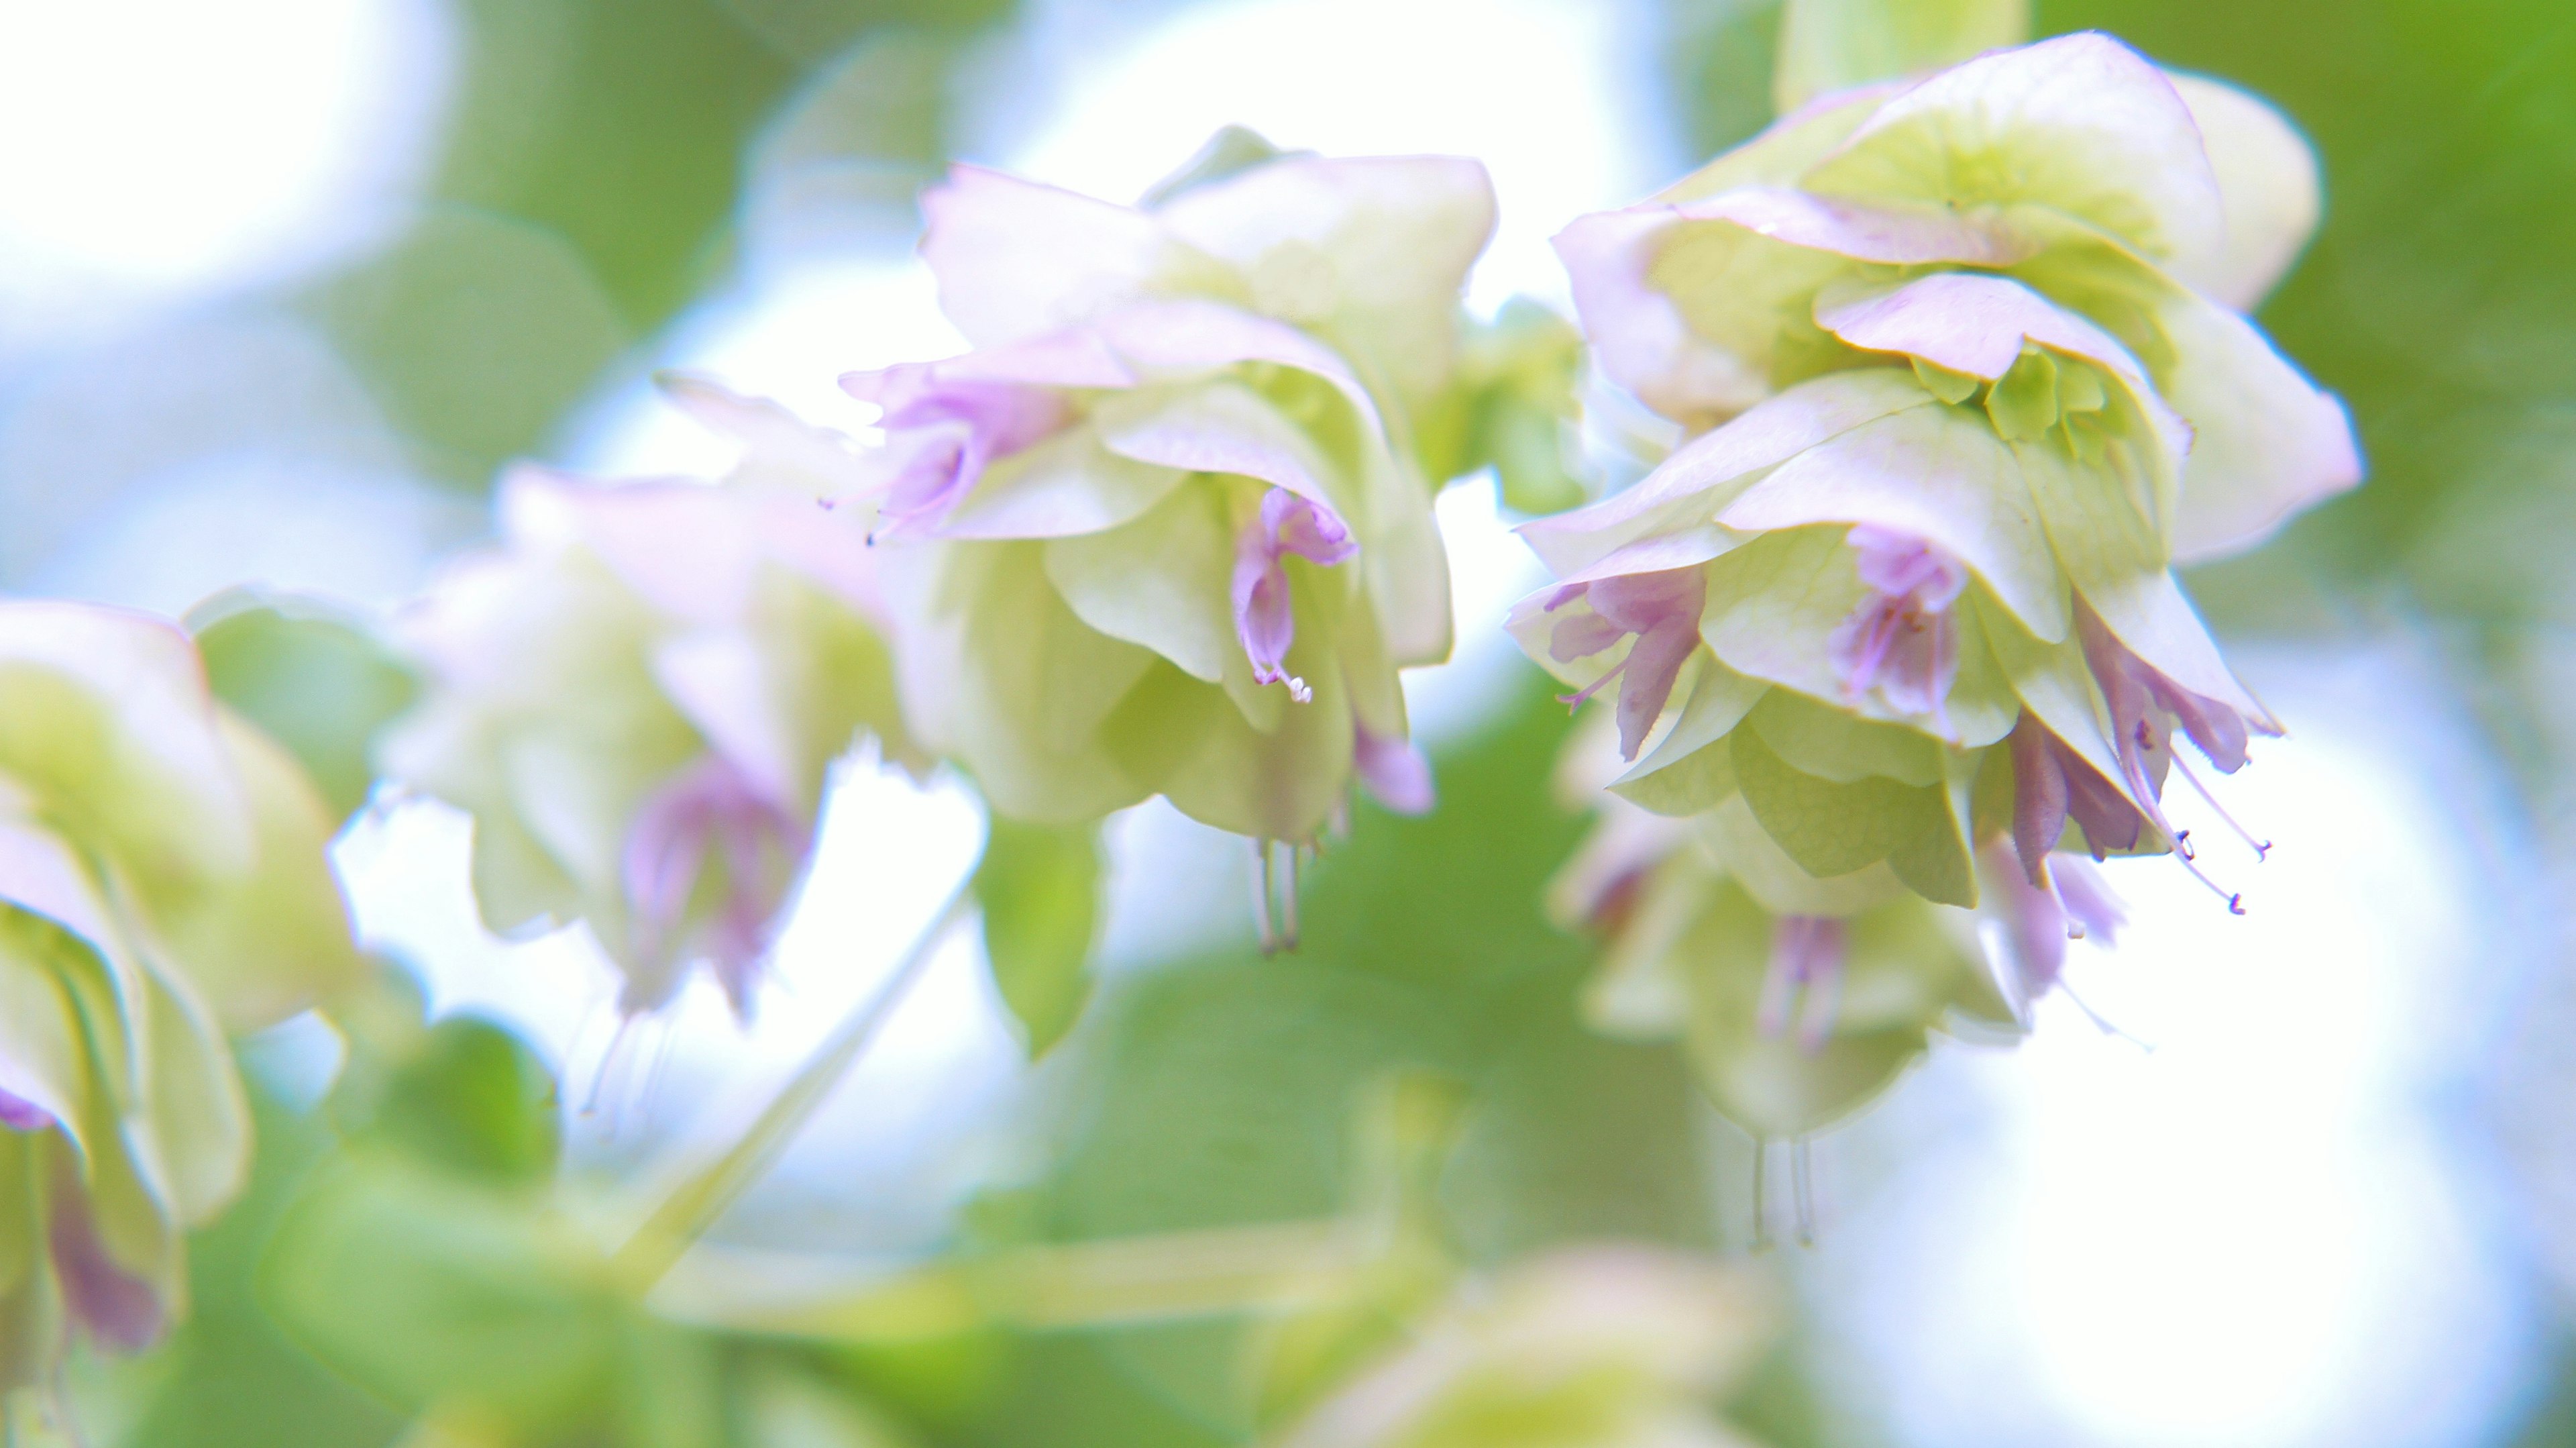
pixel 1831 45
pixel 309 673
pixel 473 1100
pixel 1039 890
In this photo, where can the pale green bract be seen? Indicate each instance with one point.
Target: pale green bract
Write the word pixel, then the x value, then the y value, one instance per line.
pixel 163 880
pixel 638 695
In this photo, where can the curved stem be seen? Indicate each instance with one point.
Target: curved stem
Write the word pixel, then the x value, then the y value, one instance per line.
pixel 704 1193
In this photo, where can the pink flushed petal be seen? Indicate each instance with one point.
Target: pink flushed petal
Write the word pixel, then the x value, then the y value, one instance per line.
pixel 1703 470
pixel 1896 237
pixel 1079 357
pixel 1581 636
pixel 118 1310
pixel 1638 336
pixel 1016 258
pixel 1188 335
pixel 1972 324
pixel 1394 771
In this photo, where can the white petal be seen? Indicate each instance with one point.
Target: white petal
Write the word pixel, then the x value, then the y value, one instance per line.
pixel 2082 124
pixel 2267 181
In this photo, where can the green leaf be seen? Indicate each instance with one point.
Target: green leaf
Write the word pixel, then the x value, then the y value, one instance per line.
pixel 476 1101
pixel 311 675
pixel 1832 45
pixel 1039 890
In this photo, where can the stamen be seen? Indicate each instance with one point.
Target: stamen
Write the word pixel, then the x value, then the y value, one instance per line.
pixel 1761 1194
pixel 2235 900
pixel 1261 897
pixel 2099 1023
pixel 1802 1188
pixel 1288 897
pixel 1579 697
pixel 2262 848
pixel 2183 845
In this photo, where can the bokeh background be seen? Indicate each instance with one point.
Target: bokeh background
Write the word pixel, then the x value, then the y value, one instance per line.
pixel 283 282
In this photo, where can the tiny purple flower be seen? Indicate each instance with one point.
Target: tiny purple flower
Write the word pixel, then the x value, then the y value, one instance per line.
pixel 1662 610
pixel 1807 954
pixel 712 803
pixel 2069 901
pixel 1393 770
pixel 118 1310
pixel 2052 783
pixel 1262 616
pixel 1903 639
pixel 946 431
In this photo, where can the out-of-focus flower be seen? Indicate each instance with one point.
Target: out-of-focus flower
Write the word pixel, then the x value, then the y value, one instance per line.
pixel 1602 1347
pixel 1972 413
pixel 1797 1000
pixel 637 697
pixel 163 878
pixel 1165 530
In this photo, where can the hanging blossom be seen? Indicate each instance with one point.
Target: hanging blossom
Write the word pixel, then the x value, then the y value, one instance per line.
pixel 163 880
pixel 1797 1000
pixel 1164 530
pixel 639 693
pixel 1972 388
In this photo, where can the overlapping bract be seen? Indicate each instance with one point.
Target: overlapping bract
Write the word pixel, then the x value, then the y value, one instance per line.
pixel 1973 387
pixel 162 880
pixel 1166 530
pixel 638 694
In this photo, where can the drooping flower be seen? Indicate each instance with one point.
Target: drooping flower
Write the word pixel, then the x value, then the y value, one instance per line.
pixel 1164 531
pixel 1969 417
pixel 1608 1347
pixel 1796 1000
pixel 637 696
pixel 163 879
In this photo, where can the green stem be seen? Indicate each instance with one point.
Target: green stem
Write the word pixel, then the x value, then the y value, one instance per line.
pixel 704 1193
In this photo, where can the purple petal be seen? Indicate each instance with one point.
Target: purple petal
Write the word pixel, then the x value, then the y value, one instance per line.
pixel 118 1310
pixel 1807 952
pixel 1653 663
pixel 1394 771
pixel 1971 324
pixel 1582 635
pixel 712 807
pixel 2039 795
pixel 20 1114
pixel 2034 926
pixel 1311 530
pixel 2089 903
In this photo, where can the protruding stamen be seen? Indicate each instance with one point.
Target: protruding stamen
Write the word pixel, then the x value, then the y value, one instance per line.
pixel 2262 848
pixel 1802 1188
pixel 1288 897
pixel 2235 899
pixel 1261 897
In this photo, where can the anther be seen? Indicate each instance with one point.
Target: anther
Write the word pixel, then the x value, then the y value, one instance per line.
pixel 2262 848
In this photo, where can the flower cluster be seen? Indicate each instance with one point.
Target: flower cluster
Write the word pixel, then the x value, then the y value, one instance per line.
pixel 1967 382
pixel 637 695
pixel 162 880
pixel 1166 530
